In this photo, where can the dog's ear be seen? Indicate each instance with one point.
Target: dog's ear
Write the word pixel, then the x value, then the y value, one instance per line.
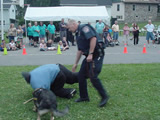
pixel 26 76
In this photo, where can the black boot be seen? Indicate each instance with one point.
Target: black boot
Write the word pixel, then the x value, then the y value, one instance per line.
pixel 82 100
pixel 103 101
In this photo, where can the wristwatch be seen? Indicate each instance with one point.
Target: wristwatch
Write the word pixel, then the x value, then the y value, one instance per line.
pixel 90 53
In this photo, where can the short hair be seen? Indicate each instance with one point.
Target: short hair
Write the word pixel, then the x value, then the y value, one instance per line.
pixel 71 21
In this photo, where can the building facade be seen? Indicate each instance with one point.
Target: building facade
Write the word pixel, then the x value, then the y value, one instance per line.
pixel 9 15
pixel 135 10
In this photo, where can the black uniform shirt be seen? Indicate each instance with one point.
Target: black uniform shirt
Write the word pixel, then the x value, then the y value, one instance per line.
pixel 83 35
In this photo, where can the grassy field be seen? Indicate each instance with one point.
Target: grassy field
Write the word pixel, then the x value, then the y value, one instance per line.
pixel 134 91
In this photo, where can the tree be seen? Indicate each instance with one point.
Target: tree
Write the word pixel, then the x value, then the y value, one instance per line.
pixel 34 3
pixel 42 3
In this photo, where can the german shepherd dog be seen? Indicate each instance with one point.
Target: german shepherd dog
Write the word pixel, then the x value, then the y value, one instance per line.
pixel 45 101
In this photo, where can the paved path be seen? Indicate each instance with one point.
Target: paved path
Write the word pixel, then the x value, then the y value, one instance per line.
pixel 114 55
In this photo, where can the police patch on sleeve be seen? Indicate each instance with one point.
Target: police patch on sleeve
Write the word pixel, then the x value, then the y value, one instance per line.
pixel 86 29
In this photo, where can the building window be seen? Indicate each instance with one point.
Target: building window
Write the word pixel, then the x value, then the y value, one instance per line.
pixel 149 8
pixel 119 17
pixel 3 22
pixel 12 10
pixel 158 9
pixel 134 7
pixel 118 7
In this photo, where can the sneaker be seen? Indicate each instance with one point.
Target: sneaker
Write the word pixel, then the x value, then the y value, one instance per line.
pixel 148 46
pixel 72 93
pixel 82 100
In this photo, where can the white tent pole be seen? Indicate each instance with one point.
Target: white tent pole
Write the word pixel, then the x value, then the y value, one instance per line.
pixel 26 31
pixel 2 31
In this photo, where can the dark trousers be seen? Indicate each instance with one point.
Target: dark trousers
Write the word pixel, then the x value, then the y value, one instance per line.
pixel 70 37
pixel 64 76
pixel 136 38
pixel 91 70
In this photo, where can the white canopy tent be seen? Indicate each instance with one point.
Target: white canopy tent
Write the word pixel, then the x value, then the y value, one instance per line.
pixel 84 14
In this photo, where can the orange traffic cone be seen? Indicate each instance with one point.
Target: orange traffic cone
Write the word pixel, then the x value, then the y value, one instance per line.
pixel 125 48
pixel 144 49
pixel 24 50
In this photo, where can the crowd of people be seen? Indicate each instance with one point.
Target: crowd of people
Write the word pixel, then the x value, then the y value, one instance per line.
pixel 44 36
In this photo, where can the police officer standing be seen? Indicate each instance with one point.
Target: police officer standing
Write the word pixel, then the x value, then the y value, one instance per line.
pixel 87 42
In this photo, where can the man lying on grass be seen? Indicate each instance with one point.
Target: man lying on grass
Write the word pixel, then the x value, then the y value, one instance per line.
pixel 52 77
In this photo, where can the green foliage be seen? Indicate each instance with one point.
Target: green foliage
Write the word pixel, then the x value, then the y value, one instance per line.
pixel 34 3
pixel 42 3
pixel 133 89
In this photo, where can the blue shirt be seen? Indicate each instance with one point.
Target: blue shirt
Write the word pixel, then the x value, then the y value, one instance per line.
pixel 35 34
pixel 30 31
pixel 99 27
pixel 51 29
pixel 83 35
pixel 42 29
pixel 44 76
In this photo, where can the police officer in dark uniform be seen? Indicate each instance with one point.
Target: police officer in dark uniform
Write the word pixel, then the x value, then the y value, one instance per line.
pixel 88 45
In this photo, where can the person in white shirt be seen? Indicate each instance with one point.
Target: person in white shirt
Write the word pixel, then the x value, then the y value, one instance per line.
pixel 150 28
pixel 115 29
pixel 12 45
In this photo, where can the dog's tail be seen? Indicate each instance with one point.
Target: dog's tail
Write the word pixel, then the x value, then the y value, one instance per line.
pixel 61 113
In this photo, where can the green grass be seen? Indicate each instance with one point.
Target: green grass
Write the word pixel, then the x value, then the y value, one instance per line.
pixel 134 91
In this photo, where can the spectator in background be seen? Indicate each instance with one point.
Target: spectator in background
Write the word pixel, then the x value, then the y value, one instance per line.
pixel 107 37
pixel 51 31
pixel 135 33
pixel 131 30
pixel 63 33
pixel 36 31
pixel 126 31
pixel 24 29
pixel 20 35
pixel 49 46
pixel 63 47
pixel 30 33
pixel 115 29
pixel 42 46
pixel 42 28
pixel 11 32
pixel 70 37
pixel 79 22
pixel 12 45
pixel 150 28
pixel 99 28
pixel 3 45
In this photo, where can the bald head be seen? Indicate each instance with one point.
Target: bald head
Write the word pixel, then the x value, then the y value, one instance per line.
pixel 100 21
pixel 116 22
pixel 149 22
pixel 72 25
